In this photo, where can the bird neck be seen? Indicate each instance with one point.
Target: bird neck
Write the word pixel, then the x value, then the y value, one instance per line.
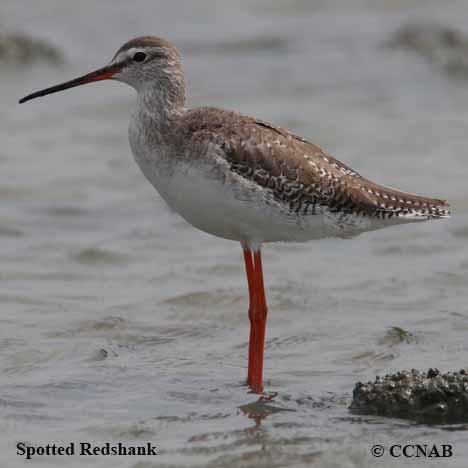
pixel 163 99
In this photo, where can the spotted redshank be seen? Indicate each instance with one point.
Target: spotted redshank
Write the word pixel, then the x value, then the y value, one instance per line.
pixel 241 178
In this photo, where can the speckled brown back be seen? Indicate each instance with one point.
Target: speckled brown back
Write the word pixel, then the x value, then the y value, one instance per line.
pixel 299 173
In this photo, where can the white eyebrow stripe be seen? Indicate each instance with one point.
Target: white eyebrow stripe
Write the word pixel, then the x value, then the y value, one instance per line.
pixel 126 54
pixel 121 57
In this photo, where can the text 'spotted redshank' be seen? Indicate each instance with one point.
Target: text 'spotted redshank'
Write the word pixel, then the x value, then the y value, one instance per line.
pixel 240 178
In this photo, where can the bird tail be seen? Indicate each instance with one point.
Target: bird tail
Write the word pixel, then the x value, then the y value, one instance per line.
pixel 389 202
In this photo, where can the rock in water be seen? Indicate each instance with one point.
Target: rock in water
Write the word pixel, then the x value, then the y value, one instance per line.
pixel 443 46
pixel 430 397
pixel 19 48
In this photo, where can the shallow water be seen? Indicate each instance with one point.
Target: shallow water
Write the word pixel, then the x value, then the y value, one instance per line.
pixel 119 322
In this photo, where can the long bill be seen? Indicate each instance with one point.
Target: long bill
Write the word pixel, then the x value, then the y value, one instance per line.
pixel 104 73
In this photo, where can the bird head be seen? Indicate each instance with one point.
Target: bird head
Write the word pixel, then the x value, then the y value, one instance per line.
pixel 142 63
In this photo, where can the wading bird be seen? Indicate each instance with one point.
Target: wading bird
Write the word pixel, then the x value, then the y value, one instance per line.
pixel 241 178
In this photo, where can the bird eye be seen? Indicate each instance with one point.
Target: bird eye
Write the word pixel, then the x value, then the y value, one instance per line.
pixel 139 57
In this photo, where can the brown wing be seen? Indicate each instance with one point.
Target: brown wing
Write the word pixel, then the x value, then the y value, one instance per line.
pixel 299 173
pixel 311 147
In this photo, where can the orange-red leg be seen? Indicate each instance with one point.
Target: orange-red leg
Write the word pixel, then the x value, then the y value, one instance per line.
pixel 249 268
pixel 257 317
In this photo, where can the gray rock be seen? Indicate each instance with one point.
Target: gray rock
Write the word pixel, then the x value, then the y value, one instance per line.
pixel 22 49
pixel 443 46
pixel 430 397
